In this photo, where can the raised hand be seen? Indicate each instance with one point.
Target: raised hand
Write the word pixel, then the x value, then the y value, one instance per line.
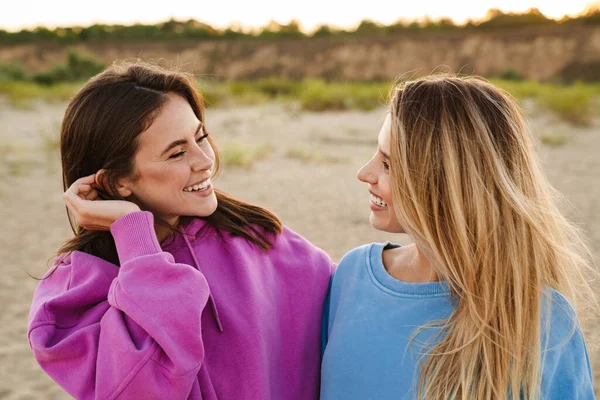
pixel 89 211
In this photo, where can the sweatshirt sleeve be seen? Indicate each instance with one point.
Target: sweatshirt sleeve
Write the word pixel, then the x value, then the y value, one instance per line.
pixel 103 332
pixel 567 370
pixel 572 373
pixel 325 319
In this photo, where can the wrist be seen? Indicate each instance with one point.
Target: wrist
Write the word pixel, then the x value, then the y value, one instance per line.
pixel 129 209
pixel 135 236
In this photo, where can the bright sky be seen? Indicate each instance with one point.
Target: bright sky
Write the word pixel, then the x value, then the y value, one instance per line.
pixel 254 13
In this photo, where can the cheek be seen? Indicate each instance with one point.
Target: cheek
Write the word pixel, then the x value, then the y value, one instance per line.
pixel 210 153
pixel 175 174
pixel 385 188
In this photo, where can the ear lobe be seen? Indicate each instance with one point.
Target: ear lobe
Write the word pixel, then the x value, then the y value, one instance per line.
pixel 123 190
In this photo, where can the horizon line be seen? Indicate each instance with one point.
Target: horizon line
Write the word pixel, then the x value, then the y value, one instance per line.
pixel 250 28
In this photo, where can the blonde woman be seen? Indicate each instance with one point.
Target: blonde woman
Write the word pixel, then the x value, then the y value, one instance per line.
pixel 480 307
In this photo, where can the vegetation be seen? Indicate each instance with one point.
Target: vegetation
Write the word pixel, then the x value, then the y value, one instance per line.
pixel 238 154
pixel 307 156
pixel 78 67
pixel 313 94
pixel 553 139
pixel 21 94
pixel 576 103
pixel 195 30
pixel 318 95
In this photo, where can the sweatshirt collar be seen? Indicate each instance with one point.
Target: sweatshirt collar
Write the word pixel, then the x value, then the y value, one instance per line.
pixel 190 228
pixel 388 283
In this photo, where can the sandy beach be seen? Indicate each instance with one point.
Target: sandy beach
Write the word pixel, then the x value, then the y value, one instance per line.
pixel 304 169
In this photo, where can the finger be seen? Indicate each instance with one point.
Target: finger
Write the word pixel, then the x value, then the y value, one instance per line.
pixel 84 189
pixel 72 199
pixel 75 186
pixel 92 195
pixel 87 192
pixel 88 180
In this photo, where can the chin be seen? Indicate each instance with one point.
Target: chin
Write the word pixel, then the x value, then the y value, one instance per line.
pixel 205 209
pixel 376 223
pixel 208 209
pixel 385 225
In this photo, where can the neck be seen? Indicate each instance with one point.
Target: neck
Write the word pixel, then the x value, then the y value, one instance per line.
pixel 163 232
pixel 409 264
pixel 422 263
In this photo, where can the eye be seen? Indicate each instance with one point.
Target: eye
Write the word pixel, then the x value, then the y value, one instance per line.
pixel 177 155
pixel 202 138
pixel 386 166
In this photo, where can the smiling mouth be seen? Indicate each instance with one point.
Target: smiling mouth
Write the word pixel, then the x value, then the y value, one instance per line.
pixel 378 201
pixel 198 187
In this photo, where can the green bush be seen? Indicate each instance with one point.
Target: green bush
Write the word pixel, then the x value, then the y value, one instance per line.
pixel 275 87
pixel 12 72
pixel 20 94
pixel 317 95
pixel 511 74
pixel 521 90
pixel 212 92
pixel 269 87
pixel 237 154
pixel 572 103
pixel 77 68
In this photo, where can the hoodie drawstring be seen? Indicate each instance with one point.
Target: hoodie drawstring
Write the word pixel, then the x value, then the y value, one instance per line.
pixel 213 305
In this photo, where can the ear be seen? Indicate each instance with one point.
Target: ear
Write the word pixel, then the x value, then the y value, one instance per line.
pixel 122 184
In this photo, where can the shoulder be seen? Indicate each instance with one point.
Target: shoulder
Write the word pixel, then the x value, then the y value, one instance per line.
pixel 77 269
pixel 558 309
pixel 360 256
pixel 357 255
pixel 291 244
pixel 567 369
pixel 355 262
pixel 290 249
pixel 73 275
pixel 559 321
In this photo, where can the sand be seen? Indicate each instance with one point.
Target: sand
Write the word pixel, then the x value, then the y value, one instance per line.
pixel 319 197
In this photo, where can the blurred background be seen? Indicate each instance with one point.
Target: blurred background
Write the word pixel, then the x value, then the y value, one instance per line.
pixel 295 98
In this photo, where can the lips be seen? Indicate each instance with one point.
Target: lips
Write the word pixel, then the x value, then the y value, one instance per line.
pixel 377 200
pixel 198 185
pixel 375 195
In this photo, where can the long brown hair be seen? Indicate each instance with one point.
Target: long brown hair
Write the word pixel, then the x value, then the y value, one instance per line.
pixel 468 187
pixel 101 129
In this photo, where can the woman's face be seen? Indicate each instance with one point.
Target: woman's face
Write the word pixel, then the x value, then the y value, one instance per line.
pixel 173 165
pixel 376 173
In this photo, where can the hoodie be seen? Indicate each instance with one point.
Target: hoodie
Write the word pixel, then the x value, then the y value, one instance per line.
pixel 204 315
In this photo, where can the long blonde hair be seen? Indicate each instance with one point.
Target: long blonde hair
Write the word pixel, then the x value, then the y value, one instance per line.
pixel 468 187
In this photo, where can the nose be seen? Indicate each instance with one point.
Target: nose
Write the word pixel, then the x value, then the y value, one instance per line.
pixel 366 173
pixel 201 160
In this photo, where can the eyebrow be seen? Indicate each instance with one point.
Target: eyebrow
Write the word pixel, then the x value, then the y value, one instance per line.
pixel 384 154
pixel 180 141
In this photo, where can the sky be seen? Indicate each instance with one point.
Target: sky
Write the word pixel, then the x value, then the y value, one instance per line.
pixel 255 13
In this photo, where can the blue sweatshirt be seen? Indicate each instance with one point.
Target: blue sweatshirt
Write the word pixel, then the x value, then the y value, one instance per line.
pixel 370 317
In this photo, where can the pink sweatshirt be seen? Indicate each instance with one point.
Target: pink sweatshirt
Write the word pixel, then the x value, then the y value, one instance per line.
pixel 205 317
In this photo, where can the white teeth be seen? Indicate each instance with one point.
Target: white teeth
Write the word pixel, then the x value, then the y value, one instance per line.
pixel 200 186
pixel 379 201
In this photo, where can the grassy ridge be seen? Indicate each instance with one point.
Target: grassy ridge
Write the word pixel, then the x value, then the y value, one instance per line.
pixel 577 103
